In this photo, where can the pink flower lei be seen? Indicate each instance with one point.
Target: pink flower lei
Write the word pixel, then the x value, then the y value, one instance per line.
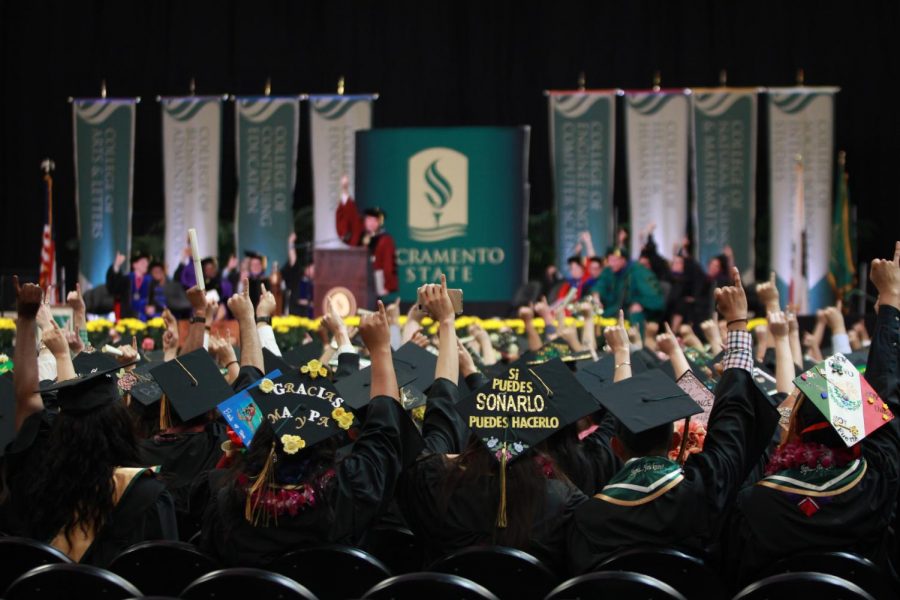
pixel 797 455
pixel 280 501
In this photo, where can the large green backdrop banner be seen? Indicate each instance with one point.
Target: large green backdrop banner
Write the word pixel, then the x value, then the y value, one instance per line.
pixel 456 203
pixel 724 167
pixel 104 167
pixel 267 130
pixel 582 154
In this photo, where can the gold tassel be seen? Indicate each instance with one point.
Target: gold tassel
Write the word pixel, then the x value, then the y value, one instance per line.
pixel 165 418
pixel 501 513
pixel 264 479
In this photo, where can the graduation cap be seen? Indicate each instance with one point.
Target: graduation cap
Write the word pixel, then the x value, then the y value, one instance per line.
pixel 7 412
pixel 141 384
pixel 272 361
pixel 647 400
pixel 85 393
pixel 414 368
pixel 192 383
pixel 300 355
pixel 601 373
pixel 697 389
pixel 521 408
pixel 86 363
pixel 244 415
pixel 844 398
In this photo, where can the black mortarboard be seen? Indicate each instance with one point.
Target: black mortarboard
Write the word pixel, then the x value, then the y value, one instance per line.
pixel 7 411
pixel 414 368
pixel 87 392
pixel 209 260
pixel 524 406
pixel 601 373
pixel 272 361
pixel 142 385
pixel 300 355
pixel 647 400
pixel 192 383
pixel 86 363
pixel 138 255
pixel 374 211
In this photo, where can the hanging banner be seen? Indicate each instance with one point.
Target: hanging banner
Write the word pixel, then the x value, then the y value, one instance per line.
pixel 724 175
pixel 656 136
pixel 333 123
pixel 192 147
pixel 801 124
pixel 104 169
pixel 582 155
pixel 267 131
pixel 455 200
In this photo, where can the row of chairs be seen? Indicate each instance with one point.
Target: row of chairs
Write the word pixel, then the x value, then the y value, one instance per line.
pixel 176 569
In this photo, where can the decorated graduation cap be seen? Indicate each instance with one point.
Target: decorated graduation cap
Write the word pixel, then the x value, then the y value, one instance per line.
pixel 694 386
pixel 192 383
pixel 86 363
pixel 648 400
pixel 141 384
pixel 304 409
pixel 85 393
pixel 520 408
pixel 846 401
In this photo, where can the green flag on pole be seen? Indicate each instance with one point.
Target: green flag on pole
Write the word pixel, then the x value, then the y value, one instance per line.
pixel 841 266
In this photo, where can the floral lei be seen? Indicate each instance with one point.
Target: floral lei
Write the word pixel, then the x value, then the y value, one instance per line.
pixel 798 455
pixel 278 501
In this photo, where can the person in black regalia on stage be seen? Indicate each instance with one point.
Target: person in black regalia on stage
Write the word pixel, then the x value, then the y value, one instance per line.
pixel 73 478
pixel 657 501
pixel 823 492
pixel 131 291
pixel 290 490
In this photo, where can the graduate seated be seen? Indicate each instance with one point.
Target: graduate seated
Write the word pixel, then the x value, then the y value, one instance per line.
pixel 73 477
pixel 832 484
pixel 654 500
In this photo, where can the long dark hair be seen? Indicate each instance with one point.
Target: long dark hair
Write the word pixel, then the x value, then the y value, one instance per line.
pixel 566 450
pixel 477 469
pixel 72 485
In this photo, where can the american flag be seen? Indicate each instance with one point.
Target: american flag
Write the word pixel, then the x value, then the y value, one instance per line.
pixel 48 247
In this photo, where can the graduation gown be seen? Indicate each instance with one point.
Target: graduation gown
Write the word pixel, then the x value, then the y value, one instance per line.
pixel 145 510
pixel 467 517
pixel 678 506
pixel 843 509
pixel 360 491
pixel 594 463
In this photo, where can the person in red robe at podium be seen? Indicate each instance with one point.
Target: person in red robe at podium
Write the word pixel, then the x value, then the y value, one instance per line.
pixel 382 254
pixel 346 220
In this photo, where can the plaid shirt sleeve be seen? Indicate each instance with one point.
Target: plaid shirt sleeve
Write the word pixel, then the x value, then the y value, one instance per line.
pixel 738 351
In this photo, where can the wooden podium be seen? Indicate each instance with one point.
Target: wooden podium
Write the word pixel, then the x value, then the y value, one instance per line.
pixel 347 268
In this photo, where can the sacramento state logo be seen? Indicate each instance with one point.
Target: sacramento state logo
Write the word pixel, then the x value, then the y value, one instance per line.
pixel 438 195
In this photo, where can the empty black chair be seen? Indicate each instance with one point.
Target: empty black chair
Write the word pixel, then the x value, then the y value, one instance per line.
pixel 845 565
pixel 162 567
pixel 19 555
pixel 396 547
pixel 687 574
pixel 790 586
pixel 429 586
pixel 245 583
pixel 614 584
pixel 506 572
pixel 333 571
pixel 67 580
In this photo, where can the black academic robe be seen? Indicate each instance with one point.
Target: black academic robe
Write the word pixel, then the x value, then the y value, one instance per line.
pixel 769 523
pixel 145 511
pixel 361 490
pixel 688 513
pixel 467 517
pixel 594 462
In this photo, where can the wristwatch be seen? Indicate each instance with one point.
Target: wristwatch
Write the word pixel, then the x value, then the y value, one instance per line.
pixel 265 320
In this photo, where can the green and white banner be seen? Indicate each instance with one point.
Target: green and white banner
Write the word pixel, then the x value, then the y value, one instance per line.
pixel 582 154
pixel 724 168
pixel 192 147
pixel 104 169
pixel 455 200
pixel 333 123
pixel 267 131
pixel 801 124
pixel 656 136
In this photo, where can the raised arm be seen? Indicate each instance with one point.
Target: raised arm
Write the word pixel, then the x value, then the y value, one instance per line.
pixel 376 335
pixel 784 360
pixel 534 338
pixel 194 338
pixel 668 343
pixel 617 340
pixel 439 306
pixel 25 376
pixel 242 309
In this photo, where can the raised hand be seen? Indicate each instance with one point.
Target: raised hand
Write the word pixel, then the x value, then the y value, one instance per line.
pixel 731 302
pixel 44 317
pixel 778 324
pixel 333 321
pixel 129 353
pixel 393 312
pixel 616 336
pixel 266 305
pixel 73 339
pixel 415 314
pixel 466 362
pixel 667 342
pixel 54 339
pixel 437 301
pixel 239 304
pixel 75 300
pixel 768 294
pixel 375 331
pixel 835 319
pixel 29 298
pixel 885 275
pixel 197 298
pixel 119 261
pixel 526 314
pixel 710 329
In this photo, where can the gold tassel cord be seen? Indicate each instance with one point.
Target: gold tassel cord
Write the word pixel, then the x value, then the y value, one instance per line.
pixel 165 417
pixel 189 374
pixel 264 479
pixel 501 513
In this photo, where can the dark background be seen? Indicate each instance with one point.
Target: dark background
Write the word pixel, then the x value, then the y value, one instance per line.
pixel 434 63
